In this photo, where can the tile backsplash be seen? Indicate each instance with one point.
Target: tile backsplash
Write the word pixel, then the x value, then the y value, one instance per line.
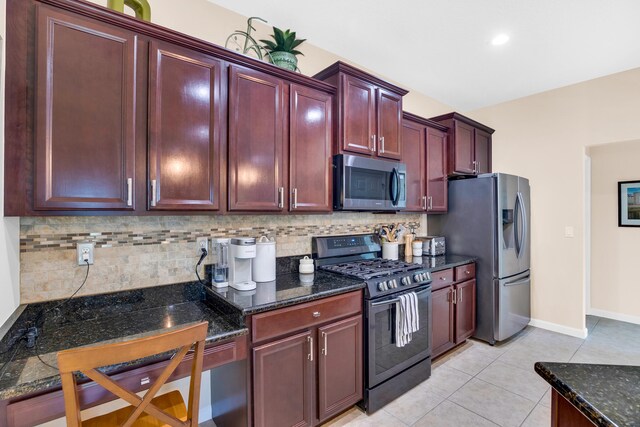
pixel 137 252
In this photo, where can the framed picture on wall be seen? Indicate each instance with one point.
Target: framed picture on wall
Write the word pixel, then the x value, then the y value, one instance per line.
pixel 629 204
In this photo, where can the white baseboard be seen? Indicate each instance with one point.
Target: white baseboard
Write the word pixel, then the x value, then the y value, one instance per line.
pixel 561 329
pixel 614 316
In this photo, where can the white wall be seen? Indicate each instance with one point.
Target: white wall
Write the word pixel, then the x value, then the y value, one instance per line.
pixel 614 250
pixel 544 137
pixel 9 227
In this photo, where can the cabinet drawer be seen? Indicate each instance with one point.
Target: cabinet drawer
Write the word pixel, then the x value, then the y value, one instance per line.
pixel 441 279
pixel 465 272
pixel 280 322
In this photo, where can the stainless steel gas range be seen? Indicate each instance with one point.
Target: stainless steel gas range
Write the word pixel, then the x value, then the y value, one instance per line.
pixel 390 370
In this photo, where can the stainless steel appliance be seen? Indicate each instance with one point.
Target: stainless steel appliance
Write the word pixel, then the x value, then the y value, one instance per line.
pixel 243 250
pixel 433 246
pixel 390 371
pixel 489 217
pixel 364 184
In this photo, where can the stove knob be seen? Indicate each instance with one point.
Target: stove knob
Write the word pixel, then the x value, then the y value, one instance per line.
pixel 416 277
pixel 406 280
pixel 382 286
pixel 394 283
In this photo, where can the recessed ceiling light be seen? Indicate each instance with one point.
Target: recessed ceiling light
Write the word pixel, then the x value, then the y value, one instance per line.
pixel 500 39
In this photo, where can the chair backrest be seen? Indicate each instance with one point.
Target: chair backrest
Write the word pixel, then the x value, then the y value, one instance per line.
pixel 87 359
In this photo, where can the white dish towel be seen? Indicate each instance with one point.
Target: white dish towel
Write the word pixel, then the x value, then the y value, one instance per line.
pixel 407 318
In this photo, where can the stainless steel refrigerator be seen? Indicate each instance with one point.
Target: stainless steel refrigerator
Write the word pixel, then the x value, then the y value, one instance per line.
pixel 489 218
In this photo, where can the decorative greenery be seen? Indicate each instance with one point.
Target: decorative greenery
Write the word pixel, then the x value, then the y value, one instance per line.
pixel 250 44
pixel 283 41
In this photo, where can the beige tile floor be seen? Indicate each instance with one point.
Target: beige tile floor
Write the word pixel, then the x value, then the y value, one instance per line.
pixel 480 385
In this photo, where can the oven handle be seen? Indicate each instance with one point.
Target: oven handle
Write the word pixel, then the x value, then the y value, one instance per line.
pixel 395 300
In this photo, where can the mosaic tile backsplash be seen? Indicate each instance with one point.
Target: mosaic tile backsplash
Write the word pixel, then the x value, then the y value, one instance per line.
pixel 138 252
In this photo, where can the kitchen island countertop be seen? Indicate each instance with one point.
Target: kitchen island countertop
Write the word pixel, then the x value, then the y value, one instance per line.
pixel 608 395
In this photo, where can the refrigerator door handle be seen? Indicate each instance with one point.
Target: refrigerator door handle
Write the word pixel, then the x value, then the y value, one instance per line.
pixel 516 225
pixel 521 229
pixel 519 282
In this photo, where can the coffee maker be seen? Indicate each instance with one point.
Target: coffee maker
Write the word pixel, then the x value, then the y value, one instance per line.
pixel 243 250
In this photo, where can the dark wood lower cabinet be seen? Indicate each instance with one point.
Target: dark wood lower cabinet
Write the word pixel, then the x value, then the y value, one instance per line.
pixel 339 366
pixel 454 308
pixel 564 414
pixel 442 338
pixel 282 382
pixel 309 375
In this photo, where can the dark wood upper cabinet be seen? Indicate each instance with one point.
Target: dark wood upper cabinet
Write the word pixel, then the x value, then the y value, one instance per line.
pixel 465 310
pixel 339 366
pixel 424 151
pixel 483 151
pixel 282 382
pixel 185 119
pixel 436 181
pixel 368 111
pixel 85 114
pixel 359 110
pixel 413 156
pixel 310 144
pixel 469 144
pixel 257 151
pixel 389 124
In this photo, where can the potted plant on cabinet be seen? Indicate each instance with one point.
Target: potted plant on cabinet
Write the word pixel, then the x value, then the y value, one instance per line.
pixel 282 49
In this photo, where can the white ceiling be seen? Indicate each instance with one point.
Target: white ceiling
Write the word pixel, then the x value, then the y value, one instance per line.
pixel 442 48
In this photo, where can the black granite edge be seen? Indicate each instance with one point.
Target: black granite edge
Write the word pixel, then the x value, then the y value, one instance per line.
pixel 579 402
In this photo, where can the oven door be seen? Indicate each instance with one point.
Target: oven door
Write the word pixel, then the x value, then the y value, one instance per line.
pixel 369 184
pixel 384 359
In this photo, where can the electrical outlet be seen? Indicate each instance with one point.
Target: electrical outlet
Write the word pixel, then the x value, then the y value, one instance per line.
pixel 84 253
pixel 202 243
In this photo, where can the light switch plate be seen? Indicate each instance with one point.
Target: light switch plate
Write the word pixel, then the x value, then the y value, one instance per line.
pixel 568 231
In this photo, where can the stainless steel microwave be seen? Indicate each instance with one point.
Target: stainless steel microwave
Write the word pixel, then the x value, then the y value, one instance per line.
pixel 364 184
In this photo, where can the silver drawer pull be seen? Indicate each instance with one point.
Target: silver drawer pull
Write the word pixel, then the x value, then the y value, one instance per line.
pixel 316 314
pixel 145 381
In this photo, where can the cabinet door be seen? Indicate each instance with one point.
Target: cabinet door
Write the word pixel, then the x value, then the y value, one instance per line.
pixel 358 115
pixel 339 366
pixel 443 337
pixel 85 141
pixel 282 382
pixel 257 114
pixel 463 155
pixel 465 310
pixel 310 145
pixel 413 155
pixel 482 151
pixel 185 116
pixel 389 124
pixel 436 170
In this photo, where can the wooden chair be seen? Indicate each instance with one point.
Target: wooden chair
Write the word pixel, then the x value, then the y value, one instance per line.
pixel 86 360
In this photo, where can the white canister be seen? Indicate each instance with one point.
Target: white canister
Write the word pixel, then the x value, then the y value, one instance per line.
pixel 390 250
pixel 263 266
pixel 417 248
pixel 306 265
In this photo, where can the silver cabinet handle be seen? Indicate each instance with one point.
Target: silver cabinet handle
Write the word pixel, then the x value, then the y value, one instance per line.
pixel 454 296
pixel 129 191
pixel 294 202
pixel 478 167
pixel 475 167
pixel 324 350
pixel 280 197
pixel 373 138
pixel 430 203
pixel 381 144
pixel 316 314
pixel 424 203
pixel 154 192
pixel 310 355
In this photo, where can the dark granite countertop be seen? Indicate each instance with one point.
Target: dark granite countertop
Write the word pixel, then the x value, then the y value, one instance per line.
pixel 286 290
pixel 442 262
pixel 102 319
pixel 609 395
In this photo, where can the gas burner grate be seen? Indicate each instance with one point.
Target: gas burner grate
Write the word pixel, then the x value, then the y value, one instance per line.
pixel 368 269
